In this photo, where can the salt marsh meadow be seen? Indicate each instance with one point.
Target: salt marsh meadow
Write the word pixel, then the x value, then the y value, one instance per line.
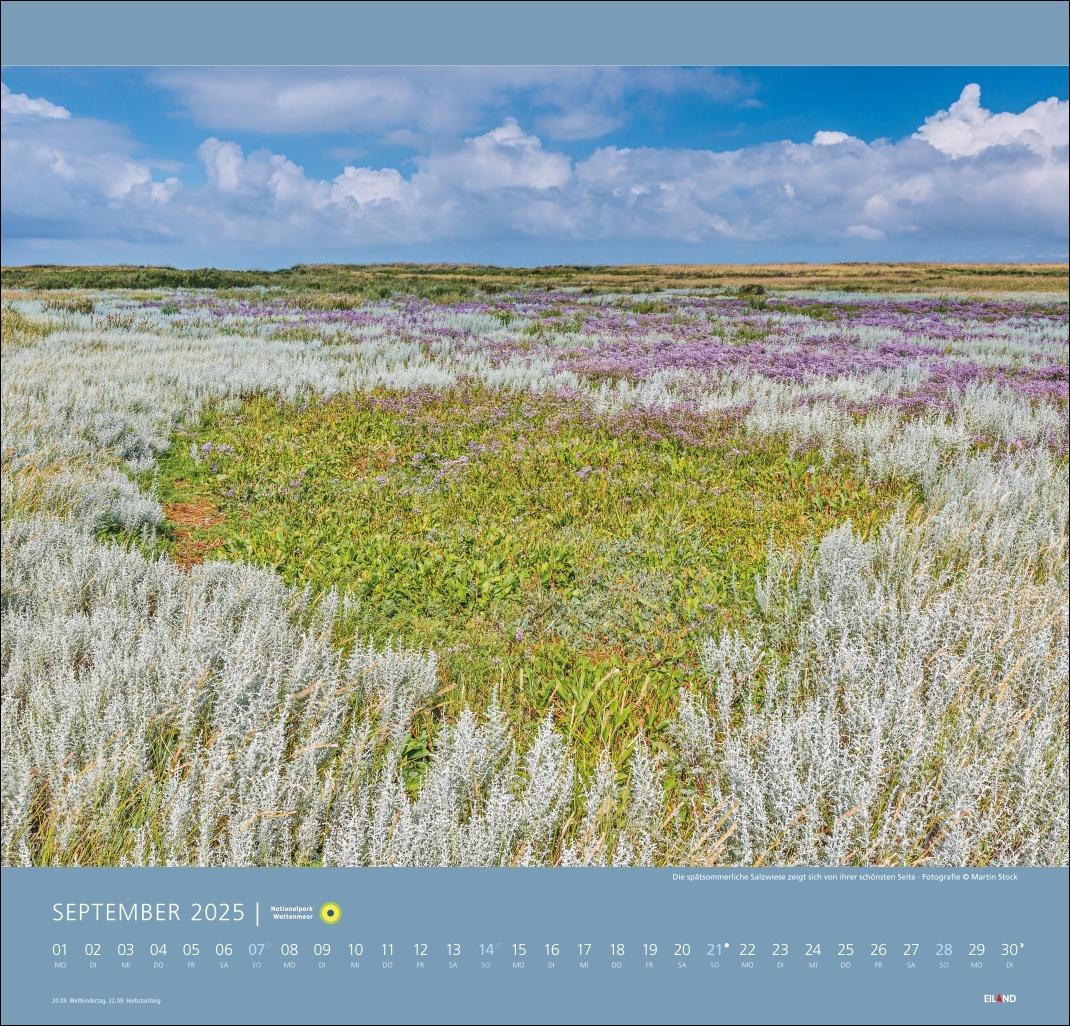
pixel 444 565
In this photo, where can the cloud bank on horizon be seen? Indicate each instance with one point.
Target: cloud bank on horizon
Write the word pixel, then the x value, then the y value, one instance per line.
pixel 968 181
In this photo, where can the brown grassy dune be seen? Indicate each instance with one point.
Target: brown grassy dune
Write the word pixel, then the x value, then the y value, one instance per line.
pixel 450 281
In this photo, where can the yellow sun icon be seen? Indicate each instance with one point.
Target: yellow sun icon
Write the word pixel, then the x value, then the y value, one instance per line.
pixel 330 913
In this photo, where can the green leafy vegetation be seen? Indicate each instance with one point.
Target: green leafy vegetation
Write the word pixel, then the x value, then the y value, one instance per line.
pixel 574 565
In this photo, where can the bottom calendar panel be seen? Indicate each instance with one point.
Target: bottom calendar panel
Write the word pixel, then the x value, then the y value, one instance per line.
pixel 534 946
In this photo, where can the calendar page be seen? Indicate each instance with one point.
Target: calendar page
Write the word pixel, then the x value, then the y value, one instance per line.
pixel 534 513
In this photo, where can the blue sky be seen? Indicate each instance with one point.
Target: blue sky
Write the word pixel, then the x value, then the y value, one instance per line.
pixel 267 167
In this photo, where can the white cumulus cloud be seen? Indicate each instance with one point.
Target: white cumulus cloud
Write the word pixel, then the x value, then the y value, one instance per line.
pixel 365 185
pixel 504 157
pixel 825 138
pixel 69 177
pixel 223 163
pixel 966 128
pixel 19 105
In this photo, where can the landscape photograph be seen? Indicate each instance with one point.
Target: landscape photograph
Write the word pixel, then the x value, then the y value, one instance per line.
pixel 535 466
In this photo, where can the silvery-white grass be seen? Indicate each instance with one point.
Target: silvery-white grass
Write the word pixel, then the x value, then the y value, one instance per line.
pixel 900 699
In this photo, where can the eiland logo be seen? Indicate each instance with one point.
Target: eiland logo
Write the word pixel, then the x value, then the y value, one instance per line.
pixel 1000 999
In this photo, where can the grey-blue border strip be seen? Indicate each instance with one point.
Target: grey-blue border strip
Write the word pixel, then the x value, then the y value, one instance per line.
pixel 907 32
pixel 897 946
